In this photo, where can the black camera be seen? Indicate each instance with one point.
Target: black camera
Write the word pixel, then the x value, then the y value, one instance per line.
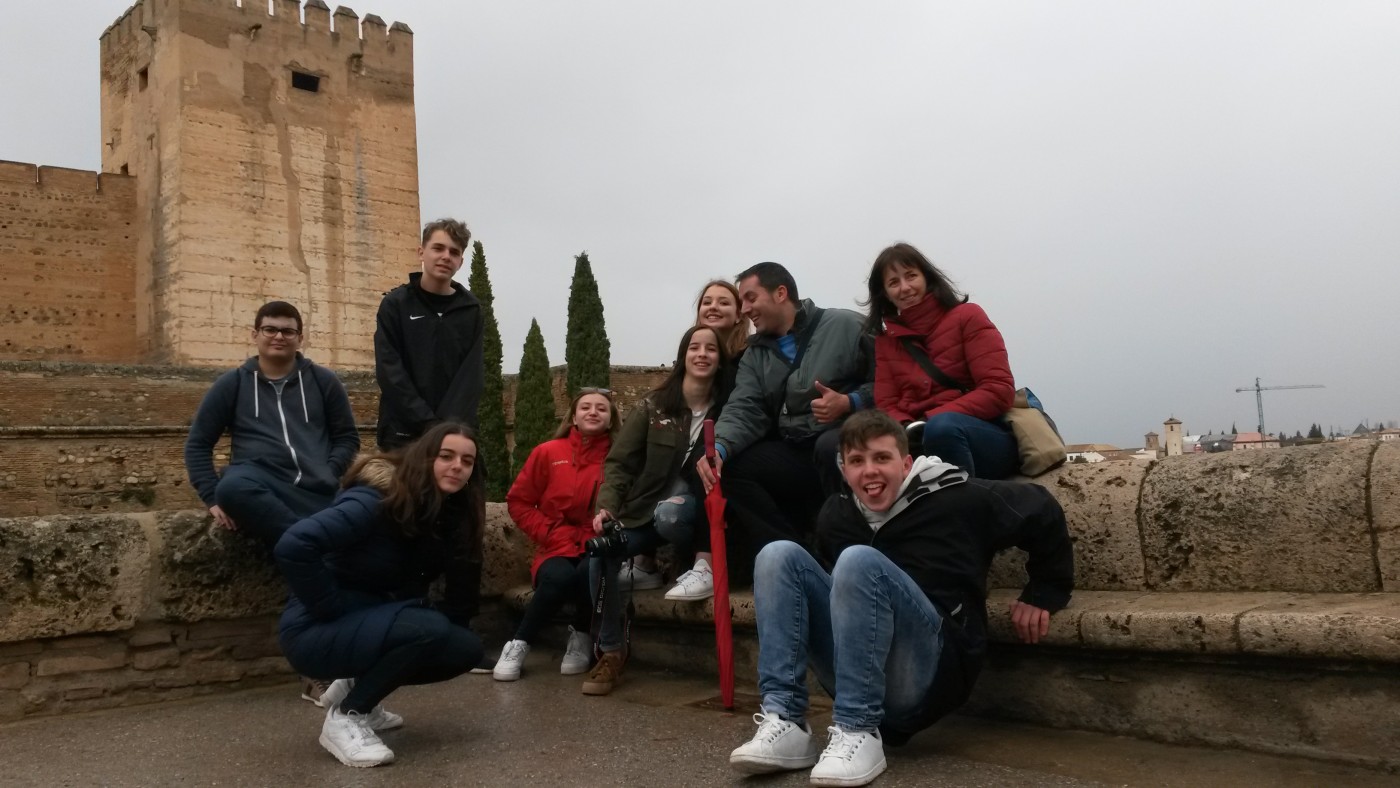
pixel 612 543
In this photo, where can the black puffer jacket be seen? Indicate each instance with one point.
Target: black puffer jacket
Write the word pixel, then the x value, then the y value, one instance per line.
pixel 945 540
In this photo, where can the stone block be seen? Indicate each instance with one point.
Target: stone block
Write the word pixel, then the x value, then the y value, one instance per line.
pixel 210 573
pixel 153 659
pixel 71 574
pixel 151 636
pixel 1289 520
pixel 1385 513
pixel 267 666
pixel 83 693
pixel 1326 626
pixel 1064 625
pixel 14 675
pixel 110 659
pixel 507 553
pixel 1101 509
pixel 1184 622
pixel 230 631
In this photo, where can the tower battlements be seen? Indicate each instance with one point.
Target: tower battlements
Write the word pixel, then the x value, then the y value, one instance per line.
pixel 310 28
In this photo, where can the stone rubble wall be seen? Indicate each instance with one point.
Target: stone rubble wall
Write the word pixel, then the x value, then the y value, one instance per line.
pixel 1273 571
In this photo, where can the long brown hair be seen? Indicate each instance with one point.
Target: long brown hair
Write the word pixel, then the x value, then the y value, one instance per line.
pixel 670 395
pixel 735 338
pixel 413 501
pixel 568 421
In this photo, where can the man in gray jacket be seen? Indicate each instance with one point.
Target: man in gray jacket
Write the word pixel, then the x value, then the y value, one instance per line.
pixel 805 370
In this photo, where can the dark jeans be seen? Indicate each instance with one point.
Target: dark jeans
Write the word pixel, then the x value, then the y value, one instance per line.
pixel 775 489
pixel 985 449
pixel 421 647
pixel 559 581
pixel 262 506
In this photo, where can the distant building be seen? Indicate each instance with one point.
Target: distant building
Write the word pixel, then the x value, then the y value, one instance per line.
pixel 1171 432
pixel 1215 442
pixel 1248 441
pixel 1089 452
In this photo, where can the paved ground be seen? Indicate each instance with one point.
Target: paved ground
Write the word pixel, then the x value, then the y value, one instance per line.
pixel 656 730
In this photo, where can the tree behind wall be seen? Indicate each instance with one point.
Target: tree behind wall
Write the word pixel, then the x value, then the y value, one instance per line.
pixel 534 398
pixel 587 351
pixel 491 418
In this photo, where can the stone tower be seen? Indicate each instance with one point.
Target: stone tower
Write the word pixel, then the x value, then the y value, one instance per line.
pixel 276 157
pixel 1150 443
pixel 1171 436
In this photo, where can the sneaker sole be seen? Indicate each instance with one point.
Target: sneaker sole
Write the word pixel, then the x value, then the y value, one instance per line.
pixel 846 782
pixel 505 677
pixel 681 598
pixel 320 704
pixel 750 764
pixel 597 689
pixel 339 756
pixel 573 670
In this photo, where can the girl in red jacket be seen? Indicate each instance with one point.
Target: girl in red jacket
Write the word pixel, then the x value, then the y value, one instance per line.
pixel 552 502
pixel 912 302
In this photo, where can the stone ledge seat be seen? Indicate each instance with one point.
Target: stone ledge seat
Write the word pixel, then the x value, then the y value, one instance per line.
pixel 1332 627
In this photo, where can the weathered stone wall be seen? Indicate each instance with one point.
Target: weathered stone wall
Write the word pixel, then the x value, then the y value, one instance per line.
pixel 1320 518
pixel 253 190
pixel 67 246
pixel 110 438
pixel 107 438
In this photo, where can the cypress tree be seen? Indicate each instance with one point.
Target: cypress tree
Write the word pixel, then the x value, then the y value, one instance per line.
pixel 587 351
pixel 491 416
pixel 534 398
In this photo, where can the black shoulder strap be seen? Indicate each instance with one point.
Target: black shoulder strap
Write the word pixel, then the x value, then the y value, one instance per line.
pixel 912 346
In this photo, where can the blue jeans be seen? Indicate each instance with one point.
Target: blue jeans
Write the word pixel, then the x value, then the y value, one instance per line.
pixel 264 506
pixel 676 517
pixel 866 629
pixel 642 539
pixel 985 449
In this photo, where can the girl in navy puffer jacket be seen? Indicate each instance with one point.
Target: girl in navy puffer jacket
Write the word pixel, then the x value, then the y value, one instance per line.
pixel 359 574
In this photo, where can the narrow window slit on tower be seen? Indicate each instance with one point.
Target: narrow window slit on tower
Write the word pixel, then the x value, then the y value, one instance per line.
pixel 142 77
pixel 308 82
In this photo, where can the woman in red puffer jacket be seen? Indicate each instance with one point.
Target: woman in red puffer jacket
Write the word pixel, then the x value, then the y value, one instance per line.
pixel 552 501
pixel 911 301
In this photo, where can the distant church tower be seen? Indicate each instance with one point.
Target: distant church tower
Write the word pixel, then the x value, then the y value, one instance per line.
pixel 1171 429
pixel 275 158
pixel 1150 443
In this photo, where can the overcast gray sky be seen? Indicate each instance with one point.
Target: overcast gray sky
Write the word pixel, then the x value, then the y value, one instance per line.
pixel 1155 202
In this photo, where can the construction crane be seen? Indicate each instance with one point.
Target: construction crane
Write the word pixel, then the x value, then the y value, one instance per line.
pixel 1259 397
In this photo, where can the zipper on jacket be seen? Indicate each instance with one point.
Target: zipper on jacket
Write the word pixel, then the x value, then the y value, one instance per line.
pixel 286 436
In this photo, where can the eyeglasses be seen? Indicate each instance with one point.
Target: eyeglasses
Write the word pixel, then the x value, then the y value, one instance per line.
pixel 593 390
pixel 272 331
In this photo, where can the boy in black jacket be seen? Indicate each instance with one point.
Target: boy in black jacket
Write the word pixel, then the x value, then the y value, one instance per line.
pixel 898 628
pixel 428 343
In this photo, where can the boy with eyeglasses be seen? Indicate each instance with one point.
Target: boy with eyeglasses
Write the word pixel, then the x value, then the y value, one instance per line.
pixel 292 432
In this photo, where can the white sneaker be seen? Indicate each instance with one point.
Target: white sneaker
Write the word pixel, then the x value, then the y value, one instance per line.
pixel 778 745
pixel 694 585
pixel 850 759
pixel 512 657
pixel 577 655
pixel 349 738
pixel 379 718
pixel 638 579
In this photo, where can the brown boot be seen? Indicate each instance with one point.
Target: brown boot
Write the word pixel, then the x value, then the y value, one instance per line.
pixel 605 675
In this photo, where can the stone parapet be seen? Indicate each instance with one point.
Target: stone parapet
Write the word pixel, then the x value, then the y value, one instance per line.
pixel 1175 582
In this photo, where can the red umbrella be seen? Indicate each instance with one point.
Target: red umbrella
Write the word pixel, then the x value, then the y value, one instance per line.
pixel 724 628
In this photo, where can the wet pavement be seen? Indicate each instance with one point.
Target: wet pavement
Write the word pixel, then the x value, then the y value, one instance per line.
pixel 656 729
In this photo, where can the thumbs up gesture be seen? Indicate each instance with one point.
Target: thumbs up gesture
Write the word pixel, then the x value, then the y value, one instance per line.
pixel 829 405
